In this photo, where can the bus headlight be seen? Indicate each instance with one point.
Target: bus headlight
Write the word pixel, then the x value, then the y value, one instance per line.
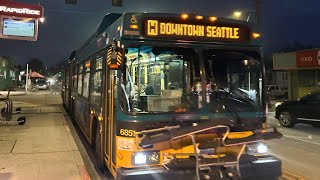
pixel 257 149
pixel 142 158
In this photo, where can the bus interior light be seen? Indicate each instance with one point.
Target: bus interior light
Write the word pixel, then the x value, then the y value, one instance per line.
pixel 213 18
pixel 134 26
pixel 199 17
pixel 184 16
pixel 256 35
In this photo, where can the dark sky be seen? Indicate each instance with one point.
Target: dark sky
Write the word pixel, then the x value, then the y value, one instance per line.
pixel 68 26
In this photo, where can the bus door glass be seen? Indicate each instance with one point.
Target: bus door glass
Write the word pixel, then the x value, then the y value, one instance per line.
pixel 159 79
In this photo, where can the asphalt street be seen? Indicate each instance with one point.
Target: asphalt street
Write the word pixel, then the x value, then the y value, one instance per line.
pixel 299 148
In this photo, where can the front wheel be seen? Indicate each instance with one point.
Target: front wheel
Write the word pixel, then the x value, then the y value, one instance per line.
pixel 286 120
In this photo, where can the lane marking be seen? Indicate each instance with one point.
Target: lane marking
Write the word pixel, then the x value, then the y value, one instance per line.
pixel 301 137
pixel 288 175
pixel 302 140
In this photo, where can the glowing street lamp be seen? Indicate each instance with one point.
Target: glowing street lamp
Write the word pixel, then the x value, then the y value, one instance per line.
pixel 42 20
pixel 237 14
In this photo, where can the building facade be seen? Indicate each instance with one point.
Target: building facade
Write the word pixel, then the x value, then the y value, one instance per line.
pixel 7 73
pixel 303 69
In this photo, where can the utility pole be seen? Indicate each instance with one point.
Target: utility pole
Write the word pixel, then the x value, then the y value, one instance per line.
pixel 258 3
pixel 27 77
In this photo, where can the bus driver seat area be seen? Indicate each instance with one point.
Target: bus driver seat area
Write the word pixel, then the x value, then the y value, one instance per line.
pixel 169 100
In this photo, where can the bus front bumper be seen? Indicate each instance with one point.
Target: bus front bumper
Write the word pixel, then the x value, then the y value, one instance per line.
pixel 268 167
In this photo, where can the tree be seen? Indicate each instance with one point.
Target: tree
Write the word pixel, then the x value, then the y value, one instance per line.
pixel 36 64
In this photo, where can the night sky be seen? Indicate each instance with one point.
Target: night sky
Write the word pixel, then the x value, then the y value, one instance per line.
pixel 68 26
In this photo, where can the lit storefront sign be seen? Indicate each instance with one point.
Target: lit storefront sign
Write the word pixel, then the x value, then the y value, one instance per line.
pixel 16 9
pixel 308 58
pixel 8 10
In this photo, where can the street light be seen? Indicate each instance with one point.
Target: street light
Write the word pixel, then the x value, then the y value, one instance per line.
pixel 238 14
pixel 42 20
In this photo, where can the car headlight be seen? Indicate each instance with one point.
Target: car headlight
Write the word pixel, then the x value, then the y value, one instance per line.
pixel 142 158
pixel 257 149
pixel 278 104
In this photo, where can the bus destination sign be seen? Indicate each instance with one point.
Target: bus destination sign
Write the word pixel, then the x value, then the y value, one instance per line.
pixel 155 28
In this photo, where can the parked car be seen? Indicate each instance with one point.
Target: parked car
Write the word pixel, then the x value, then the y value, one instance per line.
pixel 42 84
pixel 304 110
pixel 277 92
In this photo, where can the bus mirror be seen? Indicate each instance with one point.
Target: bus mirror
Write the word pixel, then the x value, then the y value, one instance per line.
pixel 114 56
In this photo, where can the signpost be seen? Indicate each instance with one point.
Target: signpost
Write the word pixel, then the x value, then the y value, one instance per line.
pixel 19 21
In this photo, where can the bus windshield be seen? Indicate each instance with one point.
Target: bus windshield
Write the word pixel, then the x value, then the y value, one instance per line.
pixel 234 80
pixel 159 79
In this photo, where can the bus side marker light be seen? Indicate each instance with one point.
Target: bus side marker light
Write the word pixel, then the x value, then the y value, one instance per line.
pixel 199 17
pixel 184 16
pixel 256 35
pixel 213 18
pixel 134 26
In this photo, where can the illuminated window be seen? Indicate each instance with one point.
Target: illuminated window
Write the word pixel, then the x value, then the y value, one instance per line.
pixel 80 84
pixel 80 67
pixel 74 77
pixel 86 85
pixel 159 79
pixel 86 79
pixel 96 81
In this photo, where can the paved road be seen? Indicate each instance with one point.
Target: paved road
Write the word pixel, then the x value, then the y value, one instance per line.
pixel 299 149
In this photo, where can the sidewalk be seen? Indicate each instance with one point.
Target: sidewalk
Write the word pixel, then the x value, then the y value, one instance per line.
pixel 13 93
pixel 44 148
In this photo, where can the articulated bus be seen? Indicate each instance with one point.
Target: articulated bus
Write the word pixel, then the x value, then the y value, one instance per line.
pixel 172 96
